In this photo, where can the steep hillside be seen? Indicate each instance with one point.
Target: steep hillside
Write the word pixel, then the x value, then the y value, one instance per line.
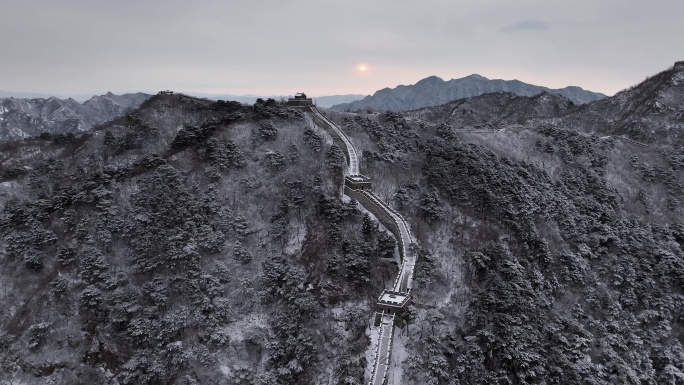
pixel 433 91
pixel 548 255
pixel 186 242
pixel 651 112
pixel 23 118
pixel 495 110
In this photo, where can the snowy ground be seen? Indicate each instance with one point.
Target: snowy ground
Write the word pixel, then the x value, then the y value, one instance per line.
pixel 253 322
pixel 373 333
pixel 297 234
pixel 397 359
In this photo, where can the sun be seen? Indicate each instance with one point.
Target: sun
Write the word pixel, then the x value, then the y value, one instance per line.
pixel 363 68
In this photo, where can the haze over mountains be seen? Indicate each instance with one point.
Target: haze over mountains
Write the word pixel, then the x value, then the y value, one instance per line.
pixel 35 95
pixel 321 101
pixel 81 98
pixel 433 91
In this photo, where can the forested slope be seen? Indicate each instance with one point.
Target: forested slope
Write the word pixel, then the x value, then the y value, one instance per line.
pixel 550 256
pixel 188 242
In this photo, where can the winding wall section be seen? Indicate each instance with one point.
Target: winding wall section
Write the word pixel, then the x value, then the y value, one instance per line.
pixel 394 222
pixel 350 153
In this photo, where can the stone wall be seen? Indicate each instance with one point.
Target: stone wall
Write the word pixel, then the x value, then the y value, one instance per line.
pixel 382 215
pixel 335 137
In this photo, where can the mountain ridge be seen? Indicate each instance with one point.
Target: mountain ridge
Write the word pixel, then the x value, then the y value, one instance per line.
pixel 651 111
pixel 433 91
pixel 21 118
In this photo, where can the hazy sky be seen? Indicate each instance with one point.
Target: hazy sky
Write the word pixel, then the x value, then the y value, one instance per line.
pixel 317 46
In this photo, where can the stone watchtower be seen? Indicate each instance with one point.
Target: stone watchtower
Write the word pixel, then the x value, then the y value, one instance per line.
pixel 300 100
pixel 392 303
pixel 679 65
pixel 358 182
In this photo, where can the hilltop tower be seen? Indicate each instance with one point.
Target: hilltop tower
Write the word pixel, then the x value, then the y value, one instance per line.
pixel 300 99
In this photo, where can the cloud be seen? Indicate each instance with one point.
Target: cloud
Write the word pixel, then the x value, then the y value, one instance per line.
pixel 526 25
pixel 75 47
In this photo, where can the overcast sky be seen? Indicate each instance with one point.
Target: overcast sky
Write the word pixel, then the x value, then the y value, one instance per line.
pixel 269 47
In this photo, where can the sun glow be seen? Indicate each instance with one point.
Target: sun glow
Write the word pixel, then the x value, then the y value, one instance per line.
pixel 362 68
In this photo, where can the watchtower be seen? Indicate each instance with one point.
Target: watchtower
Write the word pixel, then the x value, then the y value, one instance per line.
pixel 357 182
pixel 300 99
pixel 393 302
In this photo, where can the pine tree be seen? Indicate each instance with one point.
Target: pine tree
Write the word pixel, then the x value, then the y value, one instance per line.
pixel 367 228
pixel 240 254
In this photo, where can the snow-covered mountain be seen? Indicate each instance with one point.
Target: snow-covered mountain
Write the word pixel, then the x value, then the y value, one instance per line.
pixel 495 110
pixel 651 111
pixel 192 241
pixel 433 91
pixel 22 118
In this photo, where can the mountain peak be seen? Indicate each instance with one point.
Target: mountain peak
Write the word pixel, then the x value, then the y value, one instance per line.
pixel 476 77
pixel 430 80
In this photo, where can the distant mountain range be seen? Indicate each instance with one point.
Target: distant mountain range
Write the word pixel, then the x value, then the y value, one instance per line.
pixel 321 101
pixel 651 112
pixel 25 95
pixel 433 91
pixel 329 101
pixel 22 118
pixel 24 115
pixel 38 95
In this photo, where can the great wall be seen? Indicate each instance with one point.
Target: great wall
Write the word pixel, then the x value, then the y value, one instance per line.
pixel 392 302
